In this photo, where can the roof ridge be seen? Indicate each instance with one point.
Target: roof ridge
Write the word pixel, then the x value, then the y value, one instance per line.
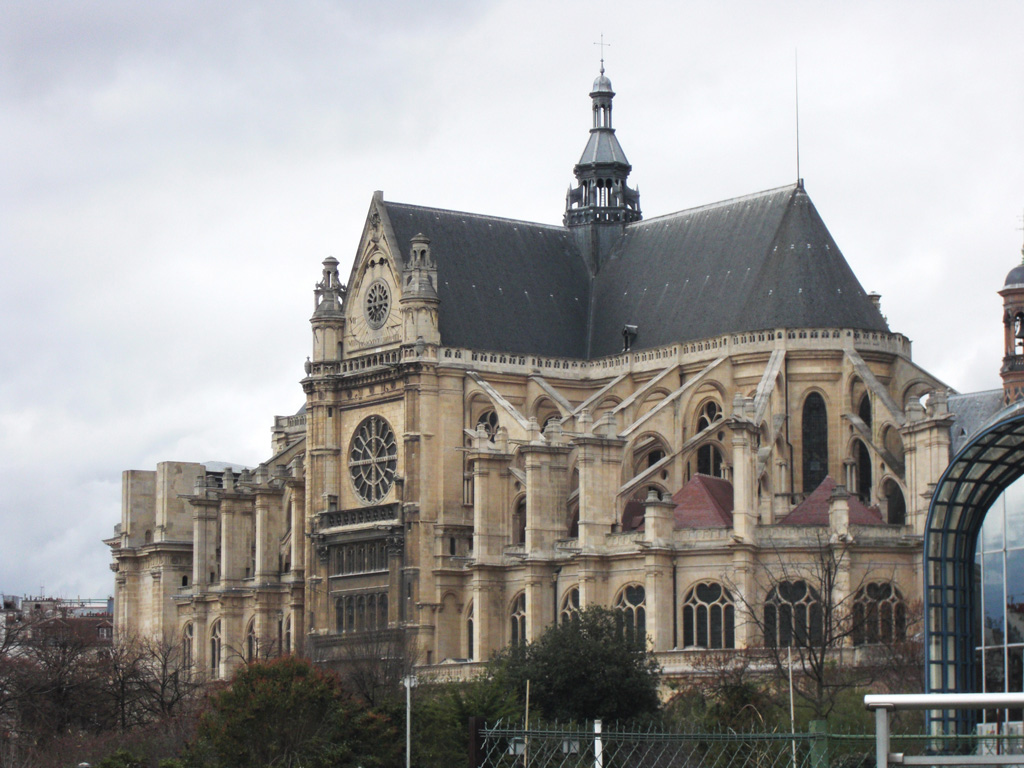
pixel 484 216
pixel 719 204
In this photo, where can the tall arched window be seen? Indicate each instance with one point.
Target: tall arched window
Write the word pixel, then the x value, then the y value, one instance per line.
pixel 570 605
pixel 709 617
pixel 815 441
pixel 792 615
pixel 879 614
pixel 864 410
pixel 519 523
pixel 895 503
pixel 187 638
pixel 215 648
pixel 288 635
pixel 469 632
pixel 863 458
pixel 339 615
pixel 382 610
pixel 251 643
pixel 631 604
pixel 518 619
pixel 709 458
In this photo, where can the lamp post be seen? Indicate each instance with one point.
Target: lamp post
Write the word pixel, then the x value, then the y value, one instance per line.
pixel 410 682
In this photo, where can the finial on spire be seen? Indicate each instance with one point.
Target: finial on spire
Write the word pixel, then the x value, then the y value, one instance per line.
pixel 603 44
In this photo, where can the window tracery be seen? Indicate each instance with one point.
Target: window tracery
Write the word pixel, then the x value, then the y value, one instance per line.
pixel 709 617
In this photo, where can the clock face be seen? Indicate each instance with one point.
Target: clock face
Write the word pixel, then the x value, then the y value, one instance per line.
pixel 377 304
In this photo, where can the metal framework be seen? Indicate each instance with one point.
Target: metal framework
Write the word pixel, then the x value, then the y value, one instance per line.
pixel 993 751
pixel 990 462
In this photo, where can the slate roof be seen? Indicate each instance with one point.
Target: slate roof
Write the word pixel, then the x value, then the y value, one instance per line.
pixel 704 502
pixel 971 411
pixel 504 285
pixel 761 261
pixel 603 147
pixel 814 509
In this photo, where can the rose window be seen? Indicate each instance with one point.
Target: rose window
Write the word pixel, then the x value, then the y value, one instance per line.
pixel 378 304
pixel 372 459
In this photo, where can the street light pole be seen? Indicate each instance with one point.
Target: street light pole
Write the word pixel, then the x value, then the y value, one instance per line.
pixel 410 682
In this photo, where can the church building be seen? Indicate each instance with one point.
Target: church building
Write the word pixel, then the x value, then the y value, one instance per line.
pixel 507 421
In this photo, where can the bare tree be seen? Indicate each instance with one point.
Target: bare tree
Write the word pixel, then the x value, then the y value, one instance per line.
pixel 371 664
pixel 811 617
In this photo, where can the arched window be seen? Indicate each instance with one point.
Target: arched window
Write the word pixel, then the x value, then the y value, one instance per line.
pixel 792 615
pixel 864 410
pixel 251 643
pixel 570 605
pixel 815 441
pixel 360 613
pixel 288 635
pixel 709 617
pixel 519 523
pixel 215 648
pixel 339 615
pixel 469 632
pixel 879 614
pixel 518 619
pixel 895 503
pixel 489 421
pixel 382 610
pixel 709 458
pixel 187 638
pixel 631 605
pixel 863 458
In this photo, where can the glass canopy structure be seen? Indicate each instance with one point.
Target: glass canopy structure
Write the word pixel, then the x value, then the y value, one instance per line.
pixel 974 578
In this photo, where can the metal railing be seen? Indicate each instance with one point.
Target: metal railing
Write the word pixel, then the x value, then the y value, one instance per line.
pixel 947 749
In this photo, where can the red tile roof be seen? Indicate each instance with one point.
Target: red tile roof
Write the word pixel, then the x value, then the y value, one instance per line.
pixel 814 509
pixel 704 502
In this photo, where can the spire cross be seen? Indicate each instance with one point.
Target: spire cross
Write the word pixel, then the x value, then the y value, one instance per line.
pixel 603 44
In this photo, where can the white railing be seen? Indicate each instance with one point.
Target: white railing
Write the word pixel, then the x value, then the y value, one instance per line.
pixel 884 704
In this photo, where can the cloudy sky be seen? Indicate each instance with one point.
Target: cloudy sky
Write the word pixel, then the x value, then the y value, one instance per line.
pixel 173 173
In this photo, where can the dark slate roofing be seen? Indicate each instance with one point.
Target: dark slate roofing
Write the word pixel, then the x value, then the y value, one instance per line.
pixel 971 411
pixel 751 263
pixel 504 285
pixel 814 509
pixel 704 502
pixel 761 261
pixel 603 147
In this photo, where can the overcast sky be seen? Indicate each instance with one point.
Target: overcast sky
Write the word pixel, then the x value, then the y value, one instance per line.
pixel 173 173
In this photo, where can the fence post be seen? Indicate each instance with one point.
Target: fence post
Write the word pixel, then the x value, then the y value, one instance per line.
pixel 598 747
pixel 819 744
pixel 476 742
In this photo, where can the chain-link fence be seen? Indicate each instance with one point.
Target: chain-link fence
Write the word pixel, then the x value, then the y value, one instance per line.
pixel 591 746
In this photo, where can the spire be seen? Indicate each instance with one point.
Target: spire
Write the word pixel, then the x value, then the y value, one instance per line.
pixel 601 194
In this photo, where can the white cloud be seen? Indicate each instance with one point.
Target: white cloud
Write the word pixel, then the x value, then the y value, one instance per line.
pixel 175 173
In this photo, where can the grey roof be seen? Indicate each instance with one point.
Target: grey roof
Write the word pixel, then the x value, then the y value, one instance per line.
pixel 756 262
pixel 971 412
pixel 603 147
pixel 761 261
pixel 504 285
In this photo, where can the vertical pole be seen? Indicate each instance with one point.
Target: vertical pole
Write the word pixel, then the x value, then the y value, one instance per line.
pixel 819 744
pixel 598 757
pixel 526 729
pixel 792 712
pixel 476 742
pixel 408 723
pixel 881 738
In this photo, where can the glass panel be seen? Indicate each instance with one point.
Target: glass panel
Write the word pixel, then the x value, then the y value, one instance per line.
pixel 1015 596
pixel 992 528
pixel 1014 506
pixel 992 587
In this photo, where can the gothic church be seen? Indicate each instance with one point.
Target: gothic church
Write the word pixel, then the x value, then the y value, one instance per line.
pixel 506 421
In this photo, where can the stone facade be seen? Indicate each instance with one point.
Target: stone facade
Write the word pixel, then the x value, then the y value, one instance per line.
pixel 470 494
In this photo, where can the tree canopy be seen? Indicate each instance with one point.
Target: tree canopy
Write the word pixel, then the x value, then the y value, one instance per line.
pixel 584 669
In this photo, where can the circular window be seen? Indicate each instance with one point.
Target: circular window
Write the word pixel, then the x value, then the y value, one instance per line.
pixel 372 459
pixel 378 304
